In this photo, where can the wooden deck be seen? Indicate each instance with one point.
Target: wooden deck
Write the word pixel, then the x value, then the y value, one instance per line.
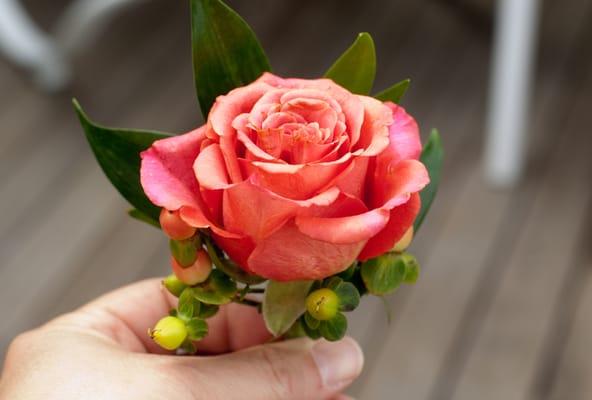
pixel 503 309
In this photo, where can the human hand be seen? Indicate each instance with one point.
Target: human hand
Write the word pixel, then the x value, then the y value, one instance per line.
pixel 103 351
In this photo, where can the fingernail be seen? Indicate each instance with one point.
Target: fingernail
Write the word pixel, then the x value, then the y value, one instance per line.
pixel 339 363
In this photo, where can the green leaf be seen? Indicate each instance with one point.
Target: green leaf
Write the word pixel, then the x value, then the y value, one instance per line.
pixel 188 305
pixel 333 282
pixel 197 329
pixel 411 268
pixel 432 157
pixel 207 311
pixel 310 332
pixel 184 251
pixel 229 267
pixel 187 347
pixel 140 216
pixel 226 52
pixel 295 331
pixel 355 69
pixel 348 274
pixel 334 329
pixel 394 93
pixel 217 290
pixel 118 154
pixel 383 274
pixel 311 321
pixel 349 297
pixel 283 303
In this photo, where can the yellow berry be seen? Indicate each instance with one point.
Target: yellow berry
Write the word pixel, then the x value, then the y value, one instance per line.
pixel 169 333
pixel 322 304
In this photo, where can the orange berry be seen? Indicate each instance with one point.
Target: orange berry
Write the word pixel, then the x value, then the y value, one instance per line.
pixel 196 273
pixel 173 226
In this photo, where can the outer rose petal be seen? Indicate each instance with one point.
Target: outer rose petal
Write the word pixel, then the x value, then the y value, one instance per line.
pixel 374 135
pixel 166 172
pixel 393 186
pixel 401 218
pixel 289 255
pixel 195 216
pixel 404 138
pixel 344 230
pixel 256 212
pixel 238 250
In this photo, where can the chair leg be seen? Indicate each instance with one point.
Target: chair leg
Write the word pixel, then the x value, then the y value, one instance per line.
pixel 26 45
pixel 510 87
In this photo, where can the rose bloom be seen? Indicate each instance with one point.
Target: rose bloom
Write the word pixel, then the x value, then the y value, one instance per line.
pixel 295 178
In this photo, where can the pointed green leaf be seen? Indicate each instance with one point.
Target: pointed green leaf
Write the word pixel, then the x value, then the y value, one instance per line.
pixel 356 68
pixel 394 93
pixel 284 303
pixel 432 157
pixel 334 329
pixel 140 216
pixel 118 154
pixel 226 52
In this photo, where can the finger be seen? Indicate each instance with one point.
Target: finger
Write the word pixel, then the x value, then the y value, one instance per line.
pixel 123 315
pixel 126 314
pixel 295 369
pixel 235 327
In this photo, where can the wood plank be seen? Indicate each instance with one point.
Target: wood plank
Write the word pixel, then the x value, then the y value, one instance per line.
pixel 574 367
pixel 503 362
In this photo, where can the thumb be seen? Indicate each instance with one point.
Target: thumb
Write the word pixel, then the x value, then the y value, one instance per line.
pixel 295 369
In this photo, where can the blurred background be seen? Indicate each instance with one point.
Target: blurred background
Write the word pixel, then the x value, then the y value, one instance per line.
pixel 503 309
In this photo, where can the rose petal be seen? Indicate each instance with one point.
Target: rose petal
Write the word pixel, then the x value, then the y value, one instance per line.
pixel 392 186
pixel 344 230
pixel 210 168
pixel 401 218
pixel 403 135
pixel 288 255
pixel 374 134
pixel 166 172
pixel 299 181
pixel 256 212
pixel 195 217
pixel 238 250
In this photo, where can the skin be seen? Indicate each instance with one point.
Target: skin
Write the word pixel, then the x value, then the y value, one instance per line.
pixel 102 351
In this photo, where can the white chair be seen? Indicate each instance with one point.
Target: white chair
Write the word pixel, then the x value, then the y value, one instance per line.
pixel 510 88
pixel 46 55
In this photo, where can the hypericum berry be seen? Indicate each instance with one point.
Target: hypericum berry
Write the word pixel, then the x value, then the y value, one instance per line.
pixel 322 304
pixel 404 242
pixel 169 333
pixel 174 285
pixel 174 227
pixel 197 272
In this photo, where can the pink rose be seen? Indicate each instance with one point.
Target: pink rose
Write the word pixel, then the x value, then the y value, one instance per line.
pixel 295 178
